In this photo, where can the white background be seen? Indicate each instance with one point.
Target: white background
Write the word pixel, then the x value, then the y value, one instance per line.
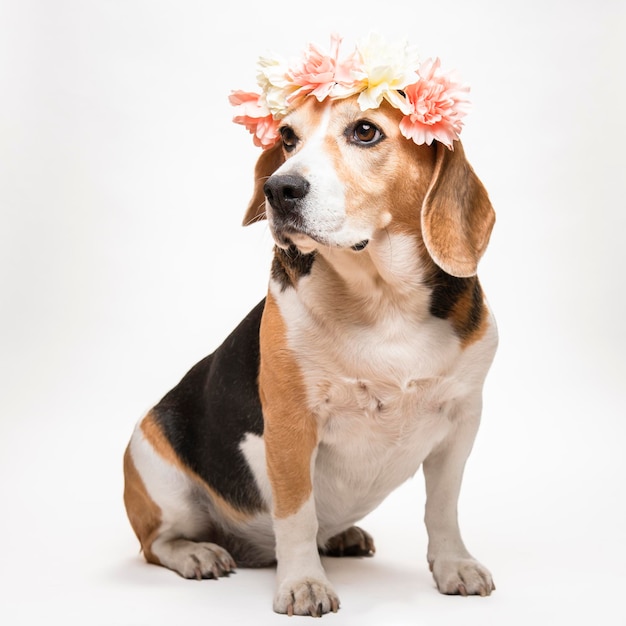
pixel 122 262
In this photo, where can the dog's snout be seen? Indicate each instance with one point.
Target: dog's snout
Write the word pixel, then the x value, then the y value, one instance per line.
pixel 283 191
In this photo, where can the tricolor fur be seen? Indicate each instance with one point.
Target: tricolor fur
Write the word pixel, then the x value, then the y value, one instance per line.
pixel 365 361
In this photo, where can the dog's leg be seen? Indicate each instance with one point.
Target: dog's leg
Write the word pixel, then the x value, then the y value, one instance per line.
pixel 162 503
pixel 454 569
pixel 290 435
pixel 302 586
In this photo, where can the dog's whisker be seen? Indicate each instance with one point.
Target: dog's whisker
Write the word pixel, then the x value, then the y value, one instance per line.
pixel 261 215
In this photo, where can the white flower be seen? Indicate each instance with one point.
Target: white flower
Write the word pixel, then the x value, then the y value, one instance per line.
pixel 387 69
pixel 274 84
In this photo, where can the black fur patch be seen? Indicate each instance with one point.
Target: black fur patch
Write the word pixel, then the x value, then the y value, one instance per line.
pixel 447 292
pixel 207 415
pixel 290 265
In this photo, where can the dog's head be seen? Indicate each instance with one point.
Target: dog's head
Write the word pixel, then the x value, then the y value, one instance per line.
pixel 362 146
pixel 340 177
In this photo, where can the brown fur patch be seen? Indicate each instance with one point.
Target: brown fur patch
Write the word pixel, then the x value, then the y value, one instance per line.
pixel 389 179
pixel 143 513
pixel 468 314
pixel 469 317
pixel 458 300
pixel 290 431
pixel 154 435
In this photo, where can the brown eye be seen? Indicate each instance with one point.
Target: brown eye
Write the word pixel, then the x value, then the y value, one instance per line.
pixel 288 137
pixel 366 134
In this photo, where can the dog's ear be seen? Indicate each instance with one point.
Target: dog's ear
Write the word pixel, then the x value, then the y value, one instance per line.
pixel 269 161
pixel 457 216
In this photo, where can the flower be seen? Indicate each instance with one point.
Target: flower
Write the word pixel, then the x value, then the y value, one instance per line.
pixel 275 86
pixel 324 75
pixel 254 114
pixel 437 102
pixel 387 69
pixel 433 102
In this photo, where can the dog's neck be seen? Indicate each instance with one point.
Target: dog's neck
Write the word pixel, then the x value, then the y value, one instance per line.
pixel 391 263
pixel 387 277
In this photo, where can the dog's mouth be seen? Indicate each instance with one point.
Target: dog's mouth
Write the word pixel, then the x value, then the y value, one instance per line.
pixel 307 242
pixel 357 247
pixel 287 235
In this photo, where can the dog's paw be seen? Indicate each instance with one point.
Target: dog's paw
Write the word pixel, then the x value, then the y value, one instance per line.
pixel 306 596
pixel 465 577
pixel 352 542
pixel 197 560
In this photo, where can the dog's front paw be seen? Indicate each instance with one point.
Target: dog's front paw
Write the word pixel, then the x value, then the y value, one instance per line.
pixel 306 596
pixel 465 577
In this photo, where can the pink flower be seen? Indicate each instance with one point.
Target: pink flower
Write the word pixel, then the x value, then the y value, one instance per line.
pixel 437 102
pixel 256 117
pixel 322 75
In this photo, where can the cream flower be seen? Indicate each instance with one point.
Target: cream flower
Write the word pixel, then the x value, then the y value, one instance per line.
pixel 387 69
pixel 275 86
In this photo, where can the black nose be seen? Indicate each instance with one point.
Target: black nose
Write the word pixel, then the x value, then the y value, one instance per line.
pixel 284 190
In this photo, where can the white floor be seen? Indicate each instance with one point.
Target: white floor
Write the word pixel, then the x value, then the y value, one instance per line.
pixel 122 262
pixel 546 517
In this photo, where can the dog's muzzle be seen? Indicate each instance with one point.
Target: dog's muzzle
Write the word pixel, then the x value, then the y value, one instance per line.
pixel 285 194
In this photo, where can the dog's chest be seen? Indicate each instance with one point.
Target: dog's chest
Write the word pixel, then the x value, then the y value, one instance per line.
pixel 376 429
pixel 383 395
pixel 374 432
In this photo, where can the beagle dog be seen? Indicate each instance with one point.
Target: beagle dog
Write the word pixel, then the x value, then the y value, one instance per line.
pixel 365 361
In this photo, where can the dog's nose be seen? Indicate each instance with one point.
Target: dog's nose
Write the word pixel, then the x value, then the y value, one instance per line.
pixel 284 190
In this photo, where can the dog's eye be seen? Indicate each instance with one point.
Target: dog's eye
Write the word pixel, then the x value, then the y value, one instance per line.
pixel 289 138
pixel 366 133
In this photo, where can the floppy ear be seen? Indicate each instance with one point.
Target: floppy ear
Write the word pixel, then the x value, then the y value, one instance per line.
pixel 457 216
pixel 269 161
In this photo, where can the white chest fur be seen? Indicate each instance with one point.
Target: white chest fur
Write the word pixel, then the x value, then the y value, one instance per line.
pixel 384 394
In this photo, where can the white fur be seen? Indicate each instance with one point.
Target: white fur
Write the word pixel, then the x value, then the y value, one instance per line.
pixel 168 487
pixel 253 448
pixel 302 583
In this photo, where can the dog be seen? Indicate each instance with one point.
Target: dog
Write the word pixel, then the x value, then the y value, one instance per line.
pixel 364 362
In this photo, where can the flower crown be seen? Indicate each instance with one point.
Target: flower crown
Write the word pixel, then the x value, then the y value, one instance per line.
pixel 433 102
